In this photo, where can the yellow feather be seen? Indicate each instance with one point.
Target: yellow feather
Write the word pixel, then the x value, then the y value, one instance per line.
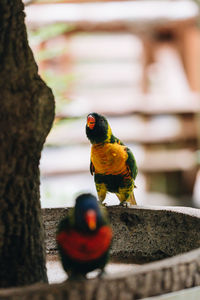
pixel 109 134
pixel 109 158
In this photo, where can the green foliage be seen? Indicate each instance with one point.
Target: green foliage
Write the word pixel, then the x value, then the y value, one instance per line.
pixel 197 1
pixel 57 80
pixel 47 32
pixel 48 54
pixel 59 84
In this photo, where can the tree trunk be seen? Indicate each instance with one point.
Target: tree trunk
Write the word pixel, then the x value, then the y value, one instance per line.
pixel 26 115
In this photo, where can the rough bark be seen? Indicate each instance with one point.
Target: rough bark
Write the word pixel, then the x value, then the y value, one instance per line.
pixel 26 115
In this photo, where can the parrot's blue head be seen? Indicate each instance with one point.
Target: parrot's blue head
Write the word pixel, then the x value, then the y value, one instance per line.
pixel 97 128
pixel 88 215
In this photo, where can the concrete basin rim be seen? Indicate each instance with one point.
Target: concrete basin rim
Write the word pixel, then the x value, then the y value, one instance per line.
pixel 175 264
pixel 193 212
pixel 165 263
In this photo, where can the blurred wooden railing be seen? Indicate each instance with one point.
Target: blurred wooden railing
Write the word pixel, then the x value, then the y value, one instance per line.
pixel 169 34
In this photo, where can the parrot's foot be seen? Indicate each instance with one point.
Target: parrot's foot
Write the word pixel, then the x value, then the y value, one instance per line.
pixel 123 204
pixel 103 204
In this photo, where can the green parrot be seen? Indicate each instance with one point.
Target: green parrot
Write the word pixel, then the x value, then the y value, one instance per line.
pixel 84 238
pixel 112 163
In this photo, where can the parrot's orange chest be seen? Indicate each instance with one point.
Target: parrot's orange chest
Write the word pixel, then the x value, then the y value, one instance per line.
pixel 109 158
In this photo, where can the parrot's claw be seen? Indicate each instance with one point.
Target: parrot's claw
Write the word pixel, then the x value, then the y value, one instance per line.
pixel 124 204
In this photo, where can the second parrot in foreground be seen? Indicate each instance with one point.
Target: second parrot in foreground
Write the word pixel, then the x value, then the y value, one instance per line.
pixel 112 163
pixel 84 238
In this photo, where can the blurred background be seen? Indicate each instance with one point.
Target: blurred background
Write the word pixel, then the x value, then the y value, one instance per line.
pixel 136 62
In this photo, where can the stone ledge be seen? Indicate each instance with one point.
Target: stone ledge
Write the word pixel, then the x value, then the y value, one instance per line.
pixel 141 233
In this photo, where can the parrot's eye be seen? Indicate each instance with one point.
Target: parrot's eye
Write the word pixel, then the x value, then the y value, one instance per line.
pixel 90 122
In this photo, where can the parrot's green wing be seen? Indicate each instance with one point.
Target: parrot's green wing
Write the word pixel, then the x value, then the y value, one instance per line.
pixel 67 222
pixel 131 163
pixel 114 139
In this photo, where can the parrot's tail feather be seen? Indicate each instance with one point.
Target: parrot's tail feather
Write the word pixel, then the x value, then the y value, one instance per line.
pixel 132 200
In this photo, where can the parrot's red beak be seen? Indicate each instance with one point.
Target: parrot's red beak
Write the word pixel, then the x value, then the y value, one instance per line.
pixel 91 219
pixel 90 122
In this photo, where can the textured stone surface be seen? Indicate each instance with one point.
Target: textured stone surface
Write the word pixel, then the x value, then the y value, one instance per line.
pixel 141 234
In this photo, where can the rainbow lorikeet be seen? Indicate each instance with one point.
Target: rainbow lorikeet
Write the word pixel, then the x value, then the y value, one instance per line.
pixel 84 237
pixel 112 163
